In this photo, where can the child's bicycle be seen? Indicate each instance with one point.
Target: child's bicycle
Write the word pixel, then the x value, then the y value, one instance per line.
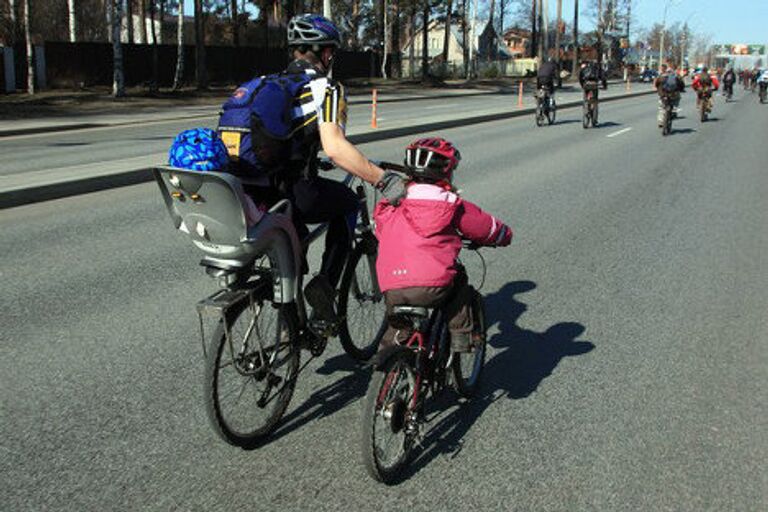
pixel 405 376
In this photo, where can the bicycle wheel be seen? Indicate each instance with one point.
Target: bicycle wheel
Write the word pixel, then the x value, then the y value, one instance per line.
pixel 249 379
pixel 467 367
pixel 594 114
pixel 388 416
pixel 539 114
pixel 552 113
pixel 361 305
pixel 703 112
pixel 666 128
pixel 585 115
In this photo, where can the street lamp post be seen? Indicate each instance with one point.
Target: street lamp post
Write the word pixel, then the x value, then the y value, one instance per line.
pixel 667 4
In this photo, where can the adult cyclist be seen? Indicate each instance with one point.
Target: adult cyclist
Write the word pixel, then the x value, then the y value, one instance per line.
pixel 762 82
pixel 590 76
pixel 545 78
pixel 669 85
pixel 704 84
pixel 318 117
pixel 729 78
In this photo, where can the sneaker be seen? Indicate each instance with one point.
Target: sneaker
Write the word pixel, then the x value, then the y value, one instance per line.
pixel 321 296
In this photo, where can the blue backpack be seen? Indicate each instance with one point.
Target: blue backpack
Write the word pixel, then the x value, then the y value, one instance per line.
pixel 670 84
pixel 255 122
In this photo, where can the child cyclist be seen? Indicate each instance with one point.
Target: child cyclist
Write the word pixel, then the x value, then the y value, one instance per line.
pixel 420 239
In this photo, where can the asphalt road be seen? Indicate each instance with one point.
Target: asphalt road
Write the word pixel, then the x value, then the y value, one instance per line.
pixel 129 146
pixel 628 368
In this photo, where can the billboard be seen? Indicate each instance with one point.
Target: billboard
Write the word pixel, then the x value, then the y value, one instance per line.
pixel 740 49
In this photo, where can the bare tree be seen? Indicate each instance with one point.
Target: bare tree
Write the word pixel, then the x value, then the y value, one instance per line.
pixel 426 9
pixel 72 21
pixel 447 35
pixel 129 19
pixel 575 63
pixel 397 61
pixel 200 69
pixel 118 78
pixel 142 22
pixel 30 58
pixel 235 24
pixel 178 77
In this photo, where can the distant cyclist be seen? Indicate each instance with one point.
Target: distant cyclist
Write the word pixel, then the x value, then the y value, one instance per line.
pixel 669 85
pixel 762 82
pixel 704 84
pixel 729 78
pixel 590 76
pixel 545 78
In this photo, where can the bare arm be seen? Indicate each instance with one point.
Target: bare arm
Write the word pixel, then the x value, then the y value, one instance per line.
pixel 346 155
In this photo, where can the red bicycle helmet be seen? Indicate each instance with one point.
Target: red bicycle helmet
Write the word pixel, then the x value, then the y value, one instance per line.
pixel 432 159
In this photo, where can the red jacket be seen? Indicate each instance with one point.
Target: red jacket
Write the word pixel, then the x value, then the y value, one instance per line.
pixel 420 239
pixel 697 82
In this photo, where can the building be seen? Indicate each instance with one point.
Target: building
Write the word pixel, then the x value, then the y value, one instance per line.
pixel 518 42
pixel 435 41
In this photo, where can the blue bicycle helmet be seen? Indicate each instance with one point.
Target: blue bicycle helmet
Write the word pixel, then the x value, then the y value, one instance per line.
pixel 198 149
pixel 312 30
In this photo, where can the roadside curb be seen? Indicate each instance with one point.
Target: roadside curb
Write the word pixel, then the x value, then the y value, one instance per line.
pixel 81 126
pixel 40 193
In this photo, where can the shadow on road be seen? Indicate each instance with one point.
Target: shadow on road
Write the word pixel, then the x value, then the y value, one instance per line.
pixel 329 399
pixel 607 124
pixel 682 131
pixel 524 358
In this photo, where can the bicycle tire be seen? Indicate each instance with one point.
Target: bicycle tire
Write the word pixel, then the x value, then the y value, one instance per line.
pixel 539 115
pixel 667 126
pixel 466 387
pixel 594 115
pixel 385 409
pixel 370 296
pixel 250 435
pixel 585 121
pixel 552 113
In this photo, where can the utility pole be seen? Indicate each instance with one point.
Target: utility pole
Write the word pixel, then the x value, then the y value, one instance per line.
pixel 600 33
pixel 663 30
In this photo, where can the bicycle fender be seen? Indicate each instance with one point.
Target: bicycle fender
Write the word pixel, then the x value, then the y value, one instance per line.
pixel 379 361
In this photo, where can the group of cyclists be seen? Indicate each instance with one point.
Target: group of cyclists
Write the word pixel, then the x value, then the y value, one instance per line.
pixel 669 85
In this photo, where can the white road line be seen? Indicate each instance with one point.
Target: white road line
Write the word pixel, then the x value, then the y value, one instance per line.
pixel 449 105
pixel 615 134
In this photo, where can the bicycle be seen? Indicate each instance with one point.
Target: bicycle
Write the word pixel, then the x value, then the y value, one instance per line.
pixel 252 356
pixel 589 108
pixel 545 107
pixel 762 95
pixel 406 375
pixel 666 119
pixel 704 104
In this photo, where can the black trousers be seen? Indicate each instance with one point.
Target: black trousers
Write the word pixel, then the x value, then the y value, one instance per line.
pixel 318 200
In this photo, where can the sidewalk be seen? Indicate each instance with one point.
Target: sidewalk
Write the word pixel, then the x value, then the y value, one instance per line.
pixel 24 188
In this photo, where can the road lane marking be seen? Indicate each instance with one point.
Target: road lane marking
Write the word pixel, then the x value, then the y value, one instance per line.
pixel 449 105
pixel 615 134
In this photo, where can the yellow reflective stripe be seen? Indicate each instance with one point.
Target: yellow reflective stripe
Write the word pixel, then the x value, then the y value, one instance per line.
pixel 327 116
pixel 306 94
pixel 313 118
